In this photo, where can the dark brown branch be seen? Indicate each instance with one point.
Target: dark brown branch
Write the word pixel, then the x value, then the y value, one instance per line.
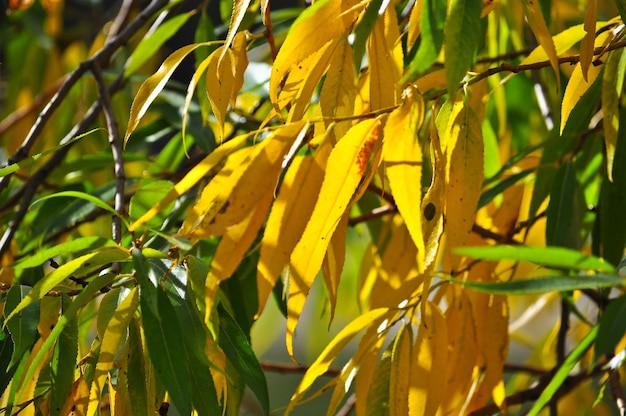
pixel 616 390
pixel 293 368
pixel 375 213
pixel 118 158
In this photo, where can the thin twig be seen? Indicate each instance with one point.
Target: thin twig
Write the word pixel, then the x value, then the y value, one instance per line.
pixel 293 368
pixel 373 214
pixel 116 149
pixel 616 390
pixel 347 408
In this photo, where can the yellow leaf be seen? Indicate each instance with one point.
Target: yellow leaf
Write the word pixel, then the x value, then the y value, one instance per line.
pixel 587 44
pixel 576 88
pixel 396 276
pixel 231 250
pixel 151 87
pixel 302 82
pixel 339 90
pixel 240 63
pixel 217 357
pixel 239 10
pixel 540 29
pixel 401 358
pixel 427 380
pixel 114 335
pixel 610 107
pixel 433 204
pixel 365 359
pixel 562 42
pixel 464 174
pixel 385 60
pixel 78 399
pixel 403 164
pixel 333 262
pixel 220 83
pixel 488 6
pixel 195 175
pixel 306 37
pixel 347 164
pixel 462 369
pixel 414 24
pixel 372 318
pixel 288 217
pixel 240 184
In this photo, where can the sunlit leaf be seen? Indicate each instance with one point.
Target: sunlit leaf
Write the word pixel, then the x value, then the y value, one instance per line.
pixel 610 106
pixel 576 88
pixel 587 44
pixel 347 164
pixel 538 25
pixel 399 379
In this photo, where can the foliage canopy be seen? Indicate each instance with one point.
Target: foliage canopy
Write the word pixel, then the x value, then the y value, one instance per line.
pixel 452 169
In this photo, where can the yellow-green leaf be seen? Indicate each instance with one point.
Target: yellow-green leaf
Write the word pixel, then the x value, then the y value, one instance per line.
pixel 195 175
pixel 220 82
pixel 347 164
pixel 288 217
pixel 462 34
pixel 333 262
pixel 114 335
pixel 239 11
pixel 464 173
pixel 339 90
pixel 610 106
pixel 306 37
pixel 403 164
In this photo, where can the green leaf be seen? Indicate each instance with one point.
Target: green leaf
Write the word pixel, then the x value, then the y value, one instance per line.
pixel 378 397
pixel 238 350
pixel 68 247
pixel 612 328
pixel 14 167
pixel 544 284
pixel 23 326
pixel 557 257
pixel 565 210
pixel 63 362
pixel 88 261
pixel 81 300
pixel 432 34
pixel 565 369
pixel 163 336
pixel 87 197
pixel 621 7
pixel 136 375
pixel 462 35
pixel 148 194
pixel 152 43
pixel 502 186
pixel 363 30
pixel 6 351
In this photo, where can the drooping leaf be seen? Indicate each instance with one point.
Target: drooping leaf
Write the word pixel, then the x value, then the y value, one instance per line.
pixel 288 217
pixel 611 328
pixel 432 21
pixel 69 247
pixel 22 326
pixel 240 7
pixel 576 88
pixel 63 362
pixel 539 27
pixel 82 195
pixel 346 166
pixel 238 350
pixel 194 176
pixel 587 44
pixel 427 380
pixel 247 177
pixel 403 163
pixel 385 61
pixel 136 372
pixel 400 375
pixel 462 34
pixel 325 359
pixel 611 89
pixel 152 87
pixel 114 335
pixel 305 36
pixel 545 284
